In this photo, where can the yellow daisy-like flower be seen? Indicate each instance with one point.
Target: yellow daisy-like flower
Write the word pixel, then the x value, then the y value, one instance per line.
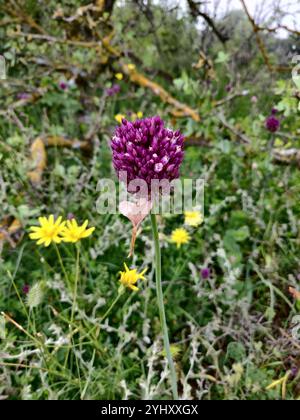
pixel 49 231
pixel 131 67
pixel 140 114
pixel 130 277
pixel 180 237
pixel 119 76
pixel 119 118
pixel 73 232
pixel 193 218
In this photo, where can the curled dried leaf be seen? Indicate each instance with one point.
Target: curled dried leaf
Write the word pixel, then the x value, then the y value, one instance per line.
pixel 294 293
pixel 136 212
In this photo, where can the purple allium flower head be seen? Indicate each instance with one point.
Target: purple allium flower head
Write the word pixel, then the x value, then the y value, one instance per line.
pixel 146 150
pixel 114 90
pixel 205 273
pixel 63 85
pixel 274 111
pixel 272 124
pixel 25 289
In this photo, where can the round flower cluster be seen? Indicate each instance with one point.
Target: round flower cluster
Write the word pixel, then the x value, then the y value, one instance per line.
pixel 272 122
pixel 146 150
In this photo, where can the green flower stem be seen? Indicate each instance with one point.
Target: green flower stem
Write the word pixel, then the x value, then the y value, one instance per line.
pixel 161 306
pixel 76 281
pixel 115 301
pixel 120 293
pixel 62 265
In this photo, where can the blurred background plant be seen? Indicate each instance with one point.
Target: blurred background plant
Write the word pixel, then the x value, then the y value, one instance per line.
pixel 215 72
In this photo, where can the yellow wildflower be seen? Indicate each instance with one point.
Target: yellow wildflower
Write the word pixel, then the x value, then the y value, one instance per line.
pixel 130 277
pixel 136 116
pixel 193 218
pixel 180 237
pixel 119 76
pixel 131 67
pixel 49 231
pixel 73 233
pixel 119 118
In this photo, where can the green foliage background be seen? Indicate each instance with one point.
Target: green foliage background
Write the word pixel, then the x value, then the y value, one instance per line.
pixel 231 334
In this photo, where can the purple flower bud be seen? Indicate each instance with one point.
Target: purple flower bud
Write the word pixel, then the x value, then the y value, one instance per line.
pixel 25 289
pixel 205 273
pixel 274 111
pixel 272 124
pixel 70 216
pixel 146 150
pixel 114 90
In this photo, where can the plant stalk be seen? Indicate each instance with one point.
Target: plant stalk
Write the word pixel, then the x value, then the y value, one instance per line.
pixel 161 307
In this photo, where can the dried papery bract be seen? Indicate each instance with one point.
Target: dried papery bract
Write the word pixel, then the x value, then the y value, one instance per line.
pixel 136 212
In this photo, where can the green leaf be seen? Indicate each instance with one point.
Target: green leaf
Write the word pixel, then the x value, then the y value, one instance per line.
pixel 239 235
pixel 222 57
pixel 236 351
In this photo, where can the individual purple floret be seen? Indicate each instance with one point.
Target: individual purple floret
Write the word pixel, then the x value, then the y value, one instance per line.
pixel 146 150
pixel 114 90
pixel 272 124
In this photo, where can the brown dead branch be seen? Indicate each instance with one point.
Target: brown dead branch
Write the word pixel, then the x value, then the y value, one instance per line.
pixel 17 11
pixel 196 12
pixel 58 141
pixel 244 139
pixel 38 153
pixel 141 80
pixel 10 231
pixel 287 156
pixel 39 161
pixel 260 43
pixel 54 40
